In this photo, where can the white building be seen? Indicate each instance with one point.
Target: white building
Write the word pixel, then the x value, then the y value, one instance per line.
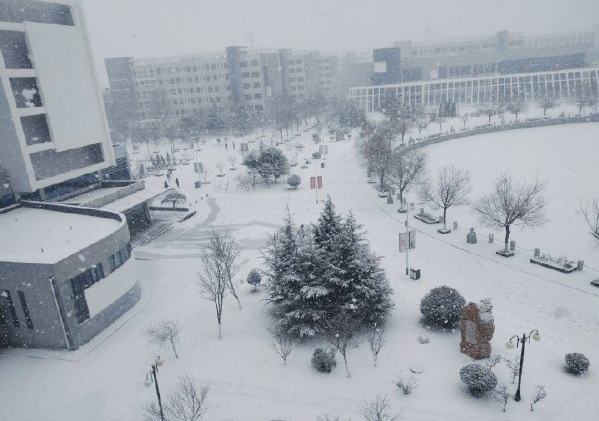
pixel 52 122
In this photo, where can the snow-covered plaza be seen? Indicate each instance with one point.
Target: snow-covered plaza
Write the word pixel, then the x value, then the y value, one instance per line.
pixel 104 379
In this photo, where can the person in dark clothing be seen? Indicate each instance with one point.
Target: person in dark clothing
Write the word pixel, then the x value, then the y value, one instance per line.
pixel 165 184
pixel 177 182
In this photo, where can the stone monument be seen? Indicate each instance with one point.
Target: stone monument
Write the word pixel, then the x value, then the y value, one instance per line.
pixel 477 327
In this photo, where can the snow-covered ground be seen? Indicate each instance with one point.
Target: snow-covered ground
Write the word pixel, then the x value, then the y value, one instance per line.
pixel 104 380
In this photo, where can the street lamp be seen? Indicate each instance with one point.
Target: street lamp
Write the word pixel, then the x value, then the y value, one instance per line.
pixel 522 340
pixel 151 377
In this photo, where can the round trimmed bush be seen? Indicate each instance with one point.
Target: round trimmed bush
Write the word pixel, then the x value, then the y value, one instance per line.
pixel 254 278
pixel 442 307
pixel 577 363
pixel 316 155
pixel 479 380
pixel 324 361
pixel 294 180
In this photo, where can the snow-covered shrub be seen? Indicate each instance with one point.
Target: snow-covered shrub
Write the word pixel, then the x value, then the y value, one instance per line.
pixel 442 307
pixel 316 155
pixel 406 385
pixel 577 363
pixel 254 278
pixel 324 361
pixel 478 379
pixel 294 180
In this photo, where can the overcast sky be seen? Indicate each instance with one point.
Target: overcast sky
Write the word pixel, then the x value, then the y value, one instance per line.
pixel 150 28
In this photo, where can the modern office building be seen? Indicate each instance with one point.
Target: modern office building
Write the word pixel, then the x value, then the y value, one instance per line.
pixel 65 270
pixel 309 73
pixel 502 67
pixel 52 121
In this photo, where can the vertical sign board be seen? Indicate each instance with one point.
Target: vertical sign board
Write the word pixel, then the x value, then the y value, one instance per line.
pixel 312 183
pixel 319 179
pixel 198 167
pixel 407 239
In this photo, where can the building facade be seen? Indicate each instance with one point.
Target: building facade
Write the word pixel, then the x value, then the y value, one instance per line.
pixel 71 275
pixel 522 87
pixel 52 122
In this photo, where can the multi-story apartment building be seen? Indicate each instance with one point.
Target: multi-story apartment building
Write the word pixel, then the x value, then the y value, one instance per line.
pixel 175 87
pixel 52 123
pixel 305 74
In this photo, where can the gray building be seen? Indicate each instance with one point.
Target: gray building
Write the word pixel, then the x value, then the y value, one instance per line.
pixel 68 278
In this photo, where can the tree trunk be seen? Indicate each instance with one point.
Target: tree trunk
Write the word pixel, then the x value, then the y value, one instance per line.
pixel 346 368
pixel 219 330
pixel 507 237
pixel 444 219
pixel 174 349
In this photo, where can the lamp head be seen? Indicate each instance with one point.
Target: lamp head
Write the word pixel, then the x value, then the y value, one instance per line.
pixel 536 337
pixel 509 345
pixel 159 361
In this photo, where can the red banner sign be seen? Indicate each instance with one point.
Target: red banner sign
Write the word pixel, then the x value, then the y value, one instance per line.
pixel 312 183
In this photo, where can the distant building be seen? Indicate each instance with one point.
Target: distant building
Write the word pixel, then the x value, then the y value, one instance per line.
pixel 503 67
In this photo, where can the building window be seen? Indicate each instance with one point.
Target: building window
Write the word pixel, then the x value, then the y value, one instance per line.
pixel 257 96
pixel 97 272
pixel 25 309
pixel 36 11
pixel 13 46
pixel 79 301
pixel 112 263
pixel 35 128
pixel 11 307
pixel 26 92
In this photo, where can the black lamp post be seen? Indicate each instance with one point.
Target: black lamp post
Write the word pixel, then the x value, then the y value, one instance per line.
pixel 522 340
pixel 151 377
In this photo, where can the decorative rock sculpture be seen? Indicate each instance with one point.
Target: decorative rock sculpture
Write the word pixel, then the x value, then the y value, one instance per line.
pixel 477 327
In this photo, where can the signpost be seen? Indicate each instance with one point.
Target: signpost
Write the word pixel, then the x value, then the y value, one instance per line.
pixel 316 183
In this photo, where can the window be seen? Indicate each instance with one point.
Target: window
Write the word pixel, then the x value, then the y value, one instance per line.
pixel 36 11
pixel 11 307
pixel 112 263
pixel 13 46
pixel 97 272
pixel 257 96
pixel 26 92
pixel 35 128
pixel 79 301
pixel 256 85
pixel 246 86
pixel 25 309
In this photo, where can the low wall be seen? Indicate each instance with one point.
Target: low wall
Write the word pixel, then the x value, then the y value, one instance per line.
pixel 432 139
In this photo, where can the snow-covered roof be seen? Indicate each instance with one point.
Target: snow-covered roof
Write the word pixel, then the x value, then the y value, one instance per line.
pixel 92 195
pixel 124 204
pixel 45 236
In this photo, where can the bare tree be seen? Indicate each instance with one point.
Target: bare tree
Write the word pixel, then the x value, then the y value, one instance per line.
pixel 502 395
pixel 185 403
pixel 220 166
pixel 464 119
pixel 440 121
pixel 328 417
pixel 376 150
pixel 582 96
pixel 376 339
pixel 341 332
pixel 175 198
pixel 546 103
pixel 492 109
pixel 224 248
pixel 516 107
pixel 539 395
pixel 450 189
pixel 514 366
pixel 592 217
pixel 212 284
pixel 405 168
pixel 493 360
pixel 512 203
pixel 164 331
pixel 282 343
pixel 232 160
pixel 378 409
